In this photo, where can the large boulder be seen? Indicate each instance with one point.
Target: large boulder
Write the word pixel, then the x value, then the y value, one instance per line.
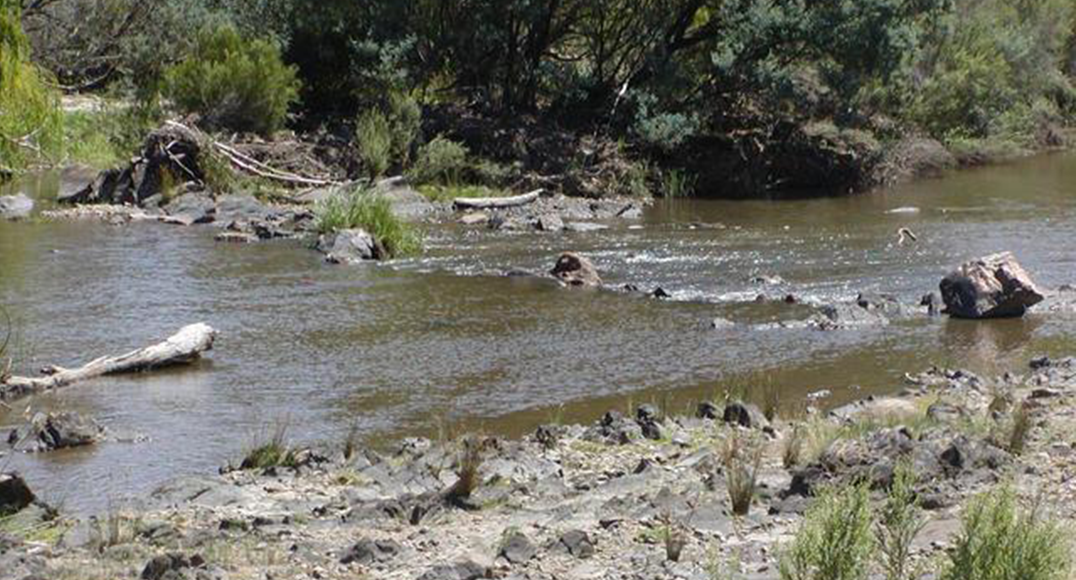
pixel 15 207
pixel 350 247
pixel 51 431
pixel 575 270
pixel 992 287
pixel 170 155
pixel 14 494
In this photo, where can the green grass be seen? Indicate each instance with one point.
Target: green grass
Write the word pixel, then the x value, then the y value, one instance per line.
pixel 834 541
pixel 363 208
pixel 1001 541
pixel 275 452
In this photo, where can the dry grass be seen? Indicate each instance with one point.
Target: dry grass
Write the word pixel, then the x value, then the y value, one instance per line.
pixel 741 458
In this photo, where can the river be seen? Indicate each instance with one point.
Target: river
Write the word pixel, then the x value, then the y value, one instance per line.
pixel 428 345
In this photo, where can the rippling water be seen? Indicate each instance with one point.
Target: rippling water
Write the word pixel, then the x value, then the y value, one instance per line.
pixel 411 346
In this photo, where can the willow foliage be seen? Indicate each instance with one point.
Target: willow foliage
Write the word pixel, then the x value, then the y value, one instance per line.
pixel 31 124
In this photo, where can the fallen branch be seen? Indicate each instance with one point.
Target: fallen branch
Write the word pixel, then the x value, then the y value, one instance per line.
pixel 251 165
pixel 497 202
pixel 182 347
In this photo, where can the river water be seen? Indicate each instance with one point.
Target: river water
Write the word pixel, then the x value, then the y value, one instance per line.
pixel 428 345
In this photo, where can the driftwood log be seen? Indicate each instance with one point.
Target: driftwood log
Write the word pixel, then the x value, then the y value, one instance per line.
pixel 182 347
pixel 497 202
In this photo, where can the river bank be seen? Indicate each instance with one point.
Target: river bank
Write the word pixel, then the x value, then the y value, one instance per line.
pixel 603 500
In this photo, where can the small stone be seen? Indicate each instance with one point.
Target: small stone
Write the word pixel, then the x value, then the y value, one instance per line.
pixel 474 218
pixel 370 551
pixel 577 543
pixel 517 549
pixel 745 415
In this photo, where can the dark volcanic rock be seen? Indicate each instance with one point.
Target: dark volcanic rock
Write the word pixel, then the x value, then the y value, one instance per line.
pixel 577 543
pixel 575 270
pixel 370 551
pixel 745 415
pixel 14 493
pixel 992 287
pixel 165 565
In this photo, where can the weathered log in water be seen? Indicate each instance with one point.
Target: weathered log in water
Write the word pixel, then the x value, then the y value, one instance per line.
pixel 497 202
pixel 183 347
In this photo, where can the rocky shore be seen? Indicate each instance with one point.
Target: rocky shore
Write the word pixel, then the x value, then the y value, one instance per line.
pixel 636 495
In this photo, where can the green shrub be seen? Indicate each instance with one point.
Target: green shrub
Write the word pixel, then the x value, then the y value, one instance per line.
pixel 234 83
pixel 441 161
pixel 899 524
pixel 363 208
pixel 373 142
pixel 1000 541
pixel 405 123
pixel 31 124
pixel 834 541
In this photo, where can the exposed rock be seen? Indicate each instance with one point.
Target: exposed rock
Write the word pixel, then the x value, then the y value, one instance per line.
pixel 407 204
pixel 933 302
pixel 576 270
pixel 880 409
pixel 14 493
pixel 517 549
pixel 48 432
pixel 350 247
pixel 241 208
pixel 885 304
pixel 844 316
pixel 236 237
pixel 460 571
pixel 584 227
pixel 995 286
pixel 745 415
pixel 15 207
pixel 578 543
pixel 192 208
pixel 765 280
pixel 708 410
pixel 474 218
pixel 721 323
pixel 162 567
pixel 168 150
pixel 368 551
pixel 550 223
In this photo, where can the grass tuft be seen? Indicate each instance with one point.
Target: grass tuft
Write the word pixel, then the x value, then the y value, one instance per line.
pixel 741 460
pixel 363 208
pixel 272 453
pixel 1021 427
pixel 468 464
pixel 834 541
pixel 1000 541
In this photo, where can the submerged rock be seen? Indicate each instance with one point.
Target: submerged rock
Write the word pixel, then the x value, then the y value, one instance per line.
pixel 576 270
pixel 995 286
pixel 192 208
pixel 15 207
pixel 845 316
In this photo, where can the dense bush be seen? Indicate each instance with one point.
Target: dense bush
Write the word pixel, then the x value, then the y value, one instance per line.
pixel 999 541
pixel 834 541
pixel 234 83
pixel 373 142
pixel 31 125
pixel 441 162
